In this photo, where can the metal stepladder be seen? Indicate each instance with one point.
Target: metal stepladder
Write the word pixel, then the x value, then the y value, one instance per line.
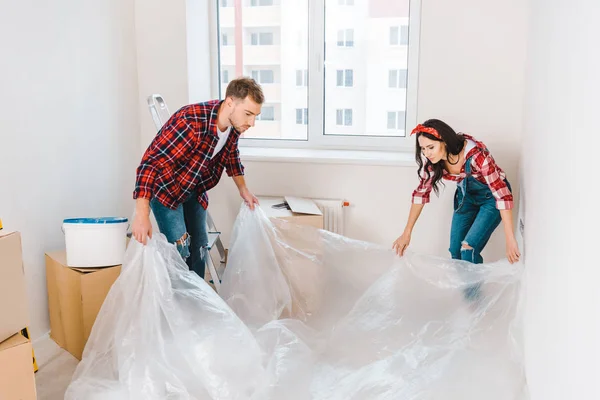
pixel 160 114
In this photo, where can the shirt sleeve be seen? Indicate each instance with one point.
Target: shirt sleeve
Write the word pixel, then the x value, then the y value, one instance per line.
pixel 233 164
pixel 491 173
pixel 421 195
pixel 170 146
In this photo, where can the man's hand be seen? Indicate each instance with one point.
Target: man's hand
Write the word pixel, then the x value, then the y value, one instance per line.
pixel 141 228
pixel 248 197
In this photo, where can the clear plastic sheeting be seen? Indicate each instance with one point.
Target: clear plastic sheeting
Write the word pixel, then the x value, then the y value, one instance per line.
pixel 305 314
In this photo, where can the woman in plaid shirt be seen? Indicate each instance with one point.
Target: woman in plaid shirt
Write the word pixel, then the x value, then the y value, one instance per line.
pixel 483 197
pixel 186 159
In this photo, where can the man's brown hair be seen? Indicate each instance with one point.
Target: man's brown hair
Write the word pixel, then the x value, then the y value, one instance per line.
pixel 242 87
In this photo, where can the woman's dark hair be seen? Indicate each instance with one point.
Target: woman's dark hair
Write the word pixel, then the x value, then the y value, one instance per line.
pixel 454 145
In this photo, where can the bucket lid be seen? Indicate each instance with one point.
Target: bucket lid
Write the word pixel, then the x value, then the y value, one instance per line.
pixel 103 220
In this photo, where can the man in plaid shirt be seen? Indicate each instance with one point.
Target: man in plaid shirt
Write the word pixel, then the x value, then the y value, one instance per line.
pixel 185 160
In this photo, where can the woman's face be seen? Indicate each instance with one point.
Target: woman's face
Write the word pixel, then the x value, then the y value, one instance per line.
pixel 432 149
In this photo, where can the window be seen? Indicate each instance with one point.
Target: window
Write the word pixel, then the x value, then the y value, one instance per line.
pixel 357 58
pixel 302 116
pixel 399 35
pixel 396 120
pixel 255 3
pixel 226 3
pixel 261 39
pixel 225 75
pixel 343 117
pixel 345 38
pixel 397 78
pixel 267 113
pixel 301 77
pixel 263 76
pixel 345 77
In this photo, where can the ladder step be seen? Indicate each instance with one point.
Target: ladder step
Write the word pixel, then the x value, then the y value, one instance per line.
pixel 212 239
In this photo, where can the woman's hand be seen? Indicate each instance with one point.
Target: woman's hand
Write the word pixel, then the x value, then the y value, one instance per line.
pixel 512 249
pixel 401 244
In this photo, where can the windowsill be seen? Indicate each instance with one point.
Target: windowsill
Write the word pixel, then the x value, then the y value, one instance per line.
pixel 322 156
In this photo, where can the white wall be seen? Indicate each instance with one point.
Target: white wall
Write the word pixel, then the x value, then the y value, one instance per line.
pixel 69 123
pixel 472 76
pixel 161 41
pixel 559 156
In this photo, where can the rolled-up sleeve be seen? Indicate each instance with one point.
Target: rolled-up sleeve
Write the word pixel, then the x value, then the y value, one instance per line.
pixel 495 181
pixel 233 164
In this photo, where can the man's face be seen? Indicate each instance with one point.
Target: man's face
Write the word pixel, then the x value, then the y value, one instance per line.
pixel 243 113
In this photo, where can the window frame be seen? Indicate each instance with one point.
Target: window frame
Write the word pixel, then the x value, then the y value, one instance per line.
pixel 316 136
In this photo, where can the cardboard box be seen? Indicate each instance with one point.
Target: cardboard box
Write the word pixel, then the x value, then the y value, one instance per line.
pixel 75 296
pixel 17 379
pixel 301 211
pixel 14 315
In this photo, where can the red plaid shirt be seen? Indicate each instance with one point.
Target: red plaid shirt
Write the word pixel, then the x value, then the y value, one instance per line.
pixel 178 161
pixel 483 168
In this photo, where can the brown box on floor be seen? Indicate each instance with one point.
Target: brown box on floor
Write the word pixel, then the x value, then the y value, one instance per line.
pixel 302 211
pixel 17 379
pixel 13 297
pixel 75 296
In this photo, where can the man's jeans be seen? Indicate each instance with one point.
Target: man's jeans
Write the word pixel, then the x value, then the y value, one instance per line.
pixel 185 227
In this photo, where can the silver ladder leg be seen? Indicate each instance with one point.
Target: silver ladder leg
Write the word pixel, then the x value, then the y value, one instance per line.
pixel 213 229
pixel 213 271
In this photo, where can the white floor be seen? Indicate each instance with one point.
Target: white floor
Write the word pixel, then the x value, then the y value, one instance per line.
pixel 56 367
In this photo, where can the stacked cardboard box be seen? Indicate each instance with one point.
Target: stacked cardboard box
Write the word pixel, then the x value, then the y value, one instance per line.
pixel 17 379
pixel 75 296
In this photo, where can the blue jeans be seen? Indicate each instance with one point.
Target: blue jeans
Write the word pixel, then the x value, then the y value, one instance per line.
pixel 475 219
pixel 185 227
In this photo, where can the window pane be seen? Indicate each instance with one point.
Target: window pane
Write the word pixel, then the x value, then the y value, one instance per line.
pixel 402 78
pixel 225 74
pixel 393 78
pixel 349 81
pixel 266 39
pixel 274 51
pixel 391 120
pixel 394 36
pixel 401 119
pixel 377 66
pixel 350 37
pixel 340 38
pixel 340 77
pixel 267 113
pixel 348 118
pixel 267 76
pixel 299 115
pixel 404 35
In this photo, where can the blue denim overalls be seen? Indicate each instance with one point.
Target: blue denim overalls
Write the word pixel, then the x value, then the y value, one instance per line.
pixel 474 220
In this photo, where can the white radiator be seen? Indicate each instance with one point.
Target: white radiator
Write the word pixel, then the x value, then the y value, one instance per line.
pixel 333 214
